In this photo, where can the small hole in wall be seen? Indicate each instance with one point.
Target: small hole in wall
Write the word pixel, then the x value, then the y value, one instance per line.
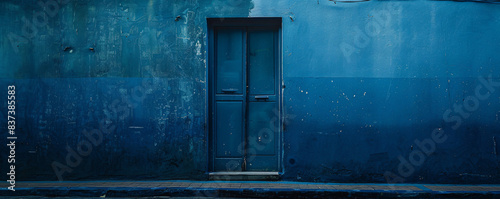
pixel 292 161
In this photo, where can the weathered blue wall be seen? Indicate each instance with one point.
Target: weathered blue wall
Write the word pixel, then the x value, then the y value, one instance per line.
pixel 364 81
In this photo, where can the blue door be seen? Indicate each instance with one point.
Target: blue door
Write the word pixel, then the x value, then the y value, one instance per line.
pixel 245 99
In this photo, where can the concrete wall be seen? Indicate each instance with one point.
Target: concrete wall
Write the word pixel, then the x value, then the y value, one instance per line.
pixel 398 91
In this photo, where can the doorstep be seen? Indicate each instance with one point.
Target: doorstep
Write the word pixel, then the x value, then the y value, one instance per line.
pixel 244 176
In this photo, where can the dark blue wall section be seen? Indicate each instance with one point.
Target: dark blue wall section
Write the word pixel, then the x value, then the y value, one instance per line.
pixel 130 124
pixel 377 91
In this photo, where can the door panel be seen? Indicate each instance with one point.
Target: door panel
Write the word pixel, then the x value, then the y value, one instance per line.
pixel 262 102
pixel 229 136
pixel 262 123
pixel 229 64
pixel 229 129
pixel 261 62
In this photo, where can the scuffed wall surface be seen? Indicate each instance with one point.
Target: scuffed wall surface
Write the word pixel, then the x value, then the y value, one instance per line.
pixel 367 81
pixel 364 81
pixel 132 70
pixel 141 136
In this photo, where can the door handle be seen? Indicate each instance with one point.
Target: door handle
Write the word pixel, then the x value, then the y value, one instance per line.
pixel 261 97
pixel 229 90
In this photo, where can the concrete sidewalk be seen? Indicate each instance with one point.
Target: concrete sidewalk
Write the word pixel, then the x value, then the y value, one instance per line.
pixel 248 189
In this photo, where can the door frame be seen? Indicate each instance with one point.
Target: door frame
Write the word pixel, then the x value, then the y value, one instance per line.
pixel 212 24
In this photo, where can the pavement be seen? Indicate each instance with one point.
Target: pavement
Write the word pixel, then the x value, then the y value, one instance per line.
pixel 243 189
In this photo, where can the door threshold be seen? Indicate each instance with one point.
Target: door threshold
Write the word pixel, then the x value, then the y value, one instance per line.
pixel 244 175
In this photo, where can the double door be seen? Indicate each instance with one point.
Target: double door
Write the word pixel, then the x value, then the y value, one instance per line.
pixel 245 99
